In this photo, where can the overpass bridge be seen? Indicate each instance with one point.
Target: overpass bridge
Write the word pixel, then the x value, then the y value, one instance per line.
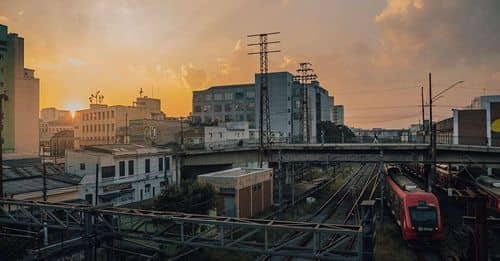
pixel 370 152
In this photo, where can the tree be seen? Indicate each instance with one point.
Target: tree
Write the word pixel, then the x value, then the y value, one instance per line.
pixel 190 197
pixel 329 132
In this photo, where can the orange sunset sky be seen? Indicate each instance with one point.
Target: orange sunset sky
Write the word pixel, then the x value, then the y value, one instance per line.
pixel 371 55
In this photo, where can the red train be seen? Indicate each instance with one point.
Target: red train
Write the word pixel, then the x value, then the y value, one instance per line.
pixel 416 211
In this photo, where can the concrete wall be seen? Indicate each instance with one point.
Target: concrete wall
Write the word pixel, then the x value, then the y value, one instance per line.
pixel 138 181
pixel 21 121
pixel 472 127
pixel 26 113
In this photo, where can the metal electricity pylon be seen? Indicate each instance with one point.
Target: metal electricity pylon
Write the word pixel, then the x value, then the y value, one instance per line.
pixel 305 75
pixel 264 112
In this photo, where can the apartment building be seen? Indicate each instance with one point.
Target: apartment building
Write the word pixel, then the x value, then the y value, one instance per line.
pixel 287 112
pixel 225 104
pixel 100 124
pixel 20 131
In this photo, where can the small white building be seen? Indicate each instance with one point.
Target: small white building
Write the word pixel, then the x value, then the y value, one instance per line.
pixel 126 173
pixel 229 134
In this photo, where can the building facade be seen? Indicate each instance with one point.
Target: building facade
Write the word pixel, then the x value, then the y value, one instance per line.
pixel 53 114
pixel 491 105
pixel 100 124
pixel 224 104
pixel 287 112
pixel 154 132
pixel 242 192
pixel 126 173
pixel 478 124
pixel 22 87
pixel 338 114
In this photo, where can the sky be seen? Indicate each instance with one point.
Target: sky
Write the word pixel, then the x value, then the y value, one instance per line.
pixel 371 55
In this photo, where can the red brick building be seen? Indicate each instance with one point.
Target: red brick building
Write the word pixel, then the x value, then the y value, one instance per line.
pixel 242 192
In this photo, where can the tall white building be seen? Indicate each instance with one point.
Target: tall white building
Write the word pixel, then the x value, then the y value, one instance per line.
pixel 100 124
pixel 22 87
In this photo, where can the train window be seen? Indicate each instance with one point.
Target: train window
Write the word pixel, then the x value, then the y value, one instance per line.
pixel 423 217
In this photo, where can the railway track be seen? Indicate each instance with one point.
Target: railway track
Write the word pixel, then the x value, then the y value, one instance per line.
pixel 340 207
pixel 288 204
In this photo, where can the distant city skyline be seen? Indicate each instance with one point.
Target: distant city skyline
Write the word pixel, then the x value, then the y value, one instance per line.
pixel 371 55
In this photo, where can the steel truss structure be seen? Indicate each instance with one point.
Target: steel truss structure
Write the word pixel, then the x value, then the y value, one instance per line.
pixel 89 225
pixel 264 111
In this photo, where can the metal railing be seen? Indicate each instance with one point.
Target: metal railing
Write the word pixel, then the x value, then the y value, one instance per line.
pixel 161 227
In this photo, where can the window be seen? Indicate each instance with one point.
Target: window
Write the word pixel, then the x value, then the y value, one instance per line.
pixel 197 108
pixel 208 97
pixel 227 107
pixel 147 188
pixel 82 166
pixel 250 94
pixel 108 172
pixel 88 198
pixel 147 165
pixel 228 95
pixel 239 95
pixel 112 114
pixel 167 163
pixel 160 164
pixel 217 108
pixel 131 167
pixel 218 97
pixel 122 168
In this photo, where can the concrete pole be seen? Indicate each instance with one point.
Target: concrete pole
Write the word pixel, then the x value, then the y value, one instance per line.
pixel 3 97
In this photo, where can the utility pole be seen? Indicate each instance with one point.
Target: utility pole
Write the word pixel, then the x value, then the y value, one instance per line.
pixel 423 112
pixel 431 173
pixel 264 113
pixel 44 175
pixel 96 184
pixel 182 133
pixel 3 97
pixel 305 75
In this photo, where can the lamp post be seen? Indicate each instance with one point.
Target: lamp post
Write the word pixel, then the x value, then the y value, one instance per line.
pixel 432 140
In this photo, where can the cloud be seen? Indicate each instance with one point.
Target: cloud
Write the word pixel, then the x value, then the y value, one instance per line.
pixel 76 62
pixel 193 78
pixel 4 18
pixel 237 46
pixel 287 61
pixel 440 32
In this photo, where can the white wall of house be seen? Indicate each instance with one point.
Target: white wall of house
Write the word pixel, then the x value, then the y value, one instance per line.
pixel 132 185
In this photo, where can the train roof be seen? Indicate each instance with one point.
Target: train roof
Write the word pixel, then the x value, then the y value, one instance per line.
pixel 490 183
pixel 405 183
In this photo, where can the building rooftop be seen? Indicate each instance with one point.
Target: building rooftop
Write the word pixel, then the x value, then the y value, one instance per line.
pixel 218 87
pixel 123 149
pixel 28 178
pixel 235 173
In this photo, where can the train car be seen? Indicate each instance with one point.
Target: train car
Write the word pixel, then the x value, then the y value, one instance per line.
pixel 417 212
pixel 491 186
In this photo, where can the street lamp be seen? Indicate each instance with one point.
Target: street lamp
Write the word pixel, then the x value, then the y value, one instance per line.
pixel 433 130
